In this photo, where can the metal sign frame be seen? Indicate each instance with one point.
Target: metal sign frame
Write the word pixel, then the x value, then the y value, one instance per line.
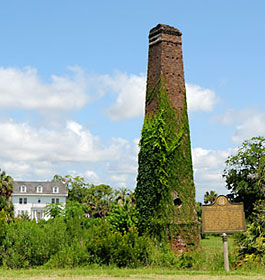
pixel 223 217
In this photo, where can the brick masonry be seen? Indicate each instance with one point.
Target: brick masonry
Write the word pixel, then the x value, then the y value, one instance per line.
pixel 165 61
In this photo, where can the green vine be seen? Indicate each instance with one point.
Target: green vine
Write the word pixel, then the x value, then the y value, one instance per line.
pixel 165 169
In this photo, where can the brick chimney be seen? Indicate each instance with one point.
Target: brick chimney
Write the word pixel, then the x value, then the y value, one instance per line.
pixel 165 60
pixel 165 65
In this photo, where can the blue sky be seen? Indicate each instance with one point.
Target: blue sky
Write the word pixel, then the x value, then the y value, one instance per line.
pixel 72 84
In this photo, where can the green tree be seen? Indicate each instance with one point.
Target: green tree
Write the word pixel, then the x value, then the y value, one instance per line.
pixel 77 187
pixel 123 216
pixel 123 195
pixel 251 244
pixel 210 197
pixel 54 210
pixel 6 188
pixel 244 173
pixel 99 200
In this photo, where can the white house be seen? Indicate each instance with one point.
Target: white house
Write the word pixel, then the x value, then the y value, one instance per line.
pixel 31 198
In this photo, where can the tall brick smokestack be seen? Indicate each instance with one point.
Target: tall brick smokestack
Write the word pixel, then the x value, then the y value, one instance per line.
pixel 165 77
pixel 165 60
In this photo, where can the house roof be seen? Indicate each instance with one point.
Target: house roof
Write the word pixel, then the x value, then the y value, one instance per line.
pixel 47 187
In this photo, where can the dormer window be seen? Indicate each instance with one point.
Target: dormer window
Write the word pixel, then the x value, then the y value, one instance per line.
pixel 55 189
pixel 39 189
pixel 23 188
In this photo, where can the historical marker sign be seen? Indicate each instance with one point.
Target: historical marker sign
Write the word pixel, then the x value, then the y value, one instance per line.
pixel 223 217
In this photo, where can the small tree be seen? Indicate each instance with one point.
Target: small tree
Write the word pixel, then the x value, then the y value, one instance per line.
pixel 77 187
pixel 210 197
pixel 251 244
pixel 244 173
pixel 99 200
pixel 123 196
pixel 6 188
pixel 123 217
pixel 54 210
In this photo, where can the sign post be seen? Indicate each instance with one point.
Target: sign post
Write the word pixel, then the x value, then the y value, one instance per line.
pixel 225 245
pixel 223 217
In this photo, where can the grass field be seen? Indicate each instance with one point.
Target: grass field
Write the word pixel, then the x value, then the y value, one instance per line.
pixel 209 266
pixel 115 273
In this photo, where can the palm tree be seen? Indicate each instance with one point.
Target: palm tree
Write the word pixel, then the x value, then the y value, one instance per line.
pixel 123 194
pixel 210 197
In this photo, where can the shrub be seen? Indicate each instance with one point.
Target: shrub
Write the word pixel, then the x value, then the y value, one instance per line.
pixel 251 244
pixel 108 247
pixel 70 256
pixel 62 242
pixel 29 244
pixel 123 218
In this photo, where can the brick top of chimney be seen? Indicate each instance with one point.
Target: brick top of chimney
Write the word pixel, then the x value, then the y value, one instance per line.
pixel 163 31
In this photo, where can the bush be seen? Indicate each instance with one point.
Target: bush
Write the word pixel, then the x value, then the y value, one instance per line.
pixel 70 256
pixel 123 218
pixel 29 244
pixel 108 247
pixel 72 242
pixel 251 244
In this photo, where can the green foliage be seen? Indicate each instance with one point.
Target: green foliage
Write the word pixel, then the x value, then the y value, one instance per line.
pixel 72 255
pixel 54 210
pixel 6 188
pixel 75 210
pixel 165 175
pixel 108 247
pixel 123 195
pixel 63 242
pixel 123 217
pixel 75 222
pixel 77 187
pixel 157 146
pixel 3 226
pixel 251 244
pixel 99 200
pixel 24 217
pixel 210 197
pixel 28 244
pixel 244 173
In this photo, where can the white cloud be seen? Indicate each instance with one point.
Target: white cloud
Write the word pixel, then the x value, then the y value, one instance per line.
pixel 119 180
pixel 208 170
pixel 250 127
pixel 124 171
pixel 73 142
pixel 200 99
pixel 131 96
pixel 23 89
pixel 92 176
pixel 35 153
pixel 30 152
pixel 248 123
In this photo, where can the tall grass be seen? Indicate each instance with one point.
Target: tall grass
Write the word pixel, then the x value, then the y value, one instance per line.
pixel 210 257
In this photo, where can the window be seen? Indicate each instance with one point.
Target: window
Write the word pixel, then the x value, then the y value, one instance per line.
pixel 55 189
pixel 39 189
pixel 25 200
pixel 20 200
pixel 23 188
pixel 53 200
pixel 57 200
